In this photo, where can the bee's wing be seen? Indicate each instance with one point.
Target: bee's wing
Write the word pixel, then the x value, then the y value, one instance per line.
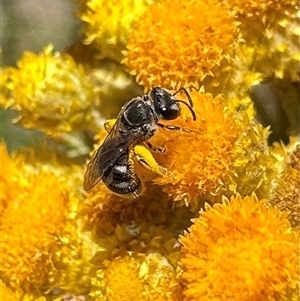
pixel 103 160
pixel 114 145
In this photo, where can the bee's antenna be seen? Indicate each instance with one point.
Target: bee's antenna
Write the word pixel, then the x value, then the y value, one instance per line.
pixel 187 95
pixel 190 108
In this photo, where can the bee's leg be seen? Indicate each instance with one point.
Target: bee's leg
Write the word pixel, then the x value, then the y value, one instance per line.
pixel 175 128
pixel 108 124
pixel 145 158
pixel 157 149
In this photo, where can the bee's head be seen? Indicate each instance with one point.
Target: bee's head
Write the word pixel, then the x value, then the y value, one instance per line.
pixel 165 104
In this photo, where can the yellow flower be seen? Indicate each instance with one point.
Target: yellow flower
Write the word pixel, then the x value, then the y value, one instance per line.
pixel 35 204
pixel 240 250
pixel 181 43
pixel 286 190
pixel 137 277
pixel 198 161
pixel 108 23
pixel 51 93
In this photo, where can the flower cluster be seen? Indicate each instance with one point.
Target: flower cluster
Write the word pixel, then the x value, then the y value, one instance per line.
pixel 240 250
pixel 61 243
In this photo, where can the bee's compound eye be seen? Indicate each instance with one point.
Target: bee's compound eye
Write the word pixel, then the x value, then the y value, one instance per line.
pixel 171 112
pixel 165 104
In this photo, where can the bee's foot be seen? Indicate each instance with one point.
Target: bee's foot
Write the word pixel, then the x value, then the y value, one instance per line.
pixel 163 171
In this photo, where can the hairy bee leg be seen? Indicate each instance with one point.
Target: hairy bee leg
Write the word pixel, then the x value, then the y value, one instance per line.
pixel 135 196
pixel 157 149
pixel 145 158
pixel 175 128
pixel 108 124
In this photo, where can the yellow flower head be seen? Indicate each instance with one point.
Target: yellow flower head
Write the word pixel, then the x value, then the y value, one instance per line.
pixel 240 250
pixel 50 91
pixel 181 43
pixel 198 161
pixel 35 205
pixel 108 23
pixel 286 190
pixel 137 277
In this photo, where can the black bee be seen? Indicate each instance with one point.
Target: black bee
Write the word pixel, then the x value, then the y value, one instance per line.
pixel 122 179
pixel 136 123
